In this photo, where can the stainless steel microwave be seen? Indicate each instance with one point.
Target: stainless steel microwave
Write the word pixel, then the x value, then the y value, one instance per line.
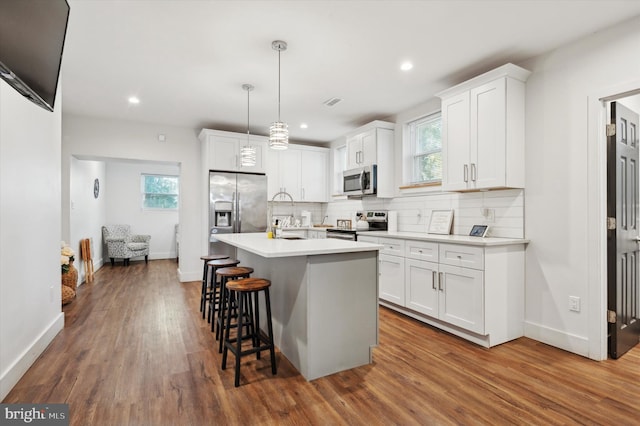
pixel 360 181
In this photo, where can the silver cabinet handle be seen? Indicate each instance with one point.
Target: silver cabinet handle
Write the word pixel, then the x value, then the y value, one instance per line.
pixel 440 282
pixel 473 172
pixel 465 173
pixel 435 279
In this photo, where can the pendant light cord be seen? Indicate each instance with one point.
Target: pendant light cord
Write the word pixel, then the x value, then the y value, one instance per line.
pixel 279 51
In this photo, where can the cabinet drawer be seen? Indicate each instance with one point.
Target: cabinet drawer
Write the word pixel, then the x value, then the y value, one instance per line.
pixel 421 250
pixel 460 255
pixel 392 246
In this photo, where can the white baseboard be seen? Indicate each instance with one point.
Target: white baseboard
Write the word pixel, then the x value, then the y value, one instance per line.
pixel 21 365
pixel 569 342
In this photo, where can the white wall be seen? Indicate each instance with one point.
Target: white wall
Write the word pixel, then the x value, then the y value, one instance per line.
pixel 88 137
pixel 564 181
pixel 124 205
pixel 87 214
pixel 30 294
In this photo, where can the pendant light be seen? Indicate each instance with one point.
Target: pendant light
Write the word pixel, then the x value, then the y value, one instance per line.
pixel 279 132
pixel 248 152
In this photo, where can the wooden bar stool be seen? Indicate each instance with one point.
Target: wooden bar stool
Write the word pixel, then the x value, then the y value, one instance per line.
pixel 205 279
pixel 225 275
pixel 212 286
pixel 243 290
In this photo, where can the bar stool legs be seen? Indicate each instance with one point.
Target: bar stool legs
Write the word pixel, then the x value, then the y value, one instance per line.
pixel 206 279
pixel 243 290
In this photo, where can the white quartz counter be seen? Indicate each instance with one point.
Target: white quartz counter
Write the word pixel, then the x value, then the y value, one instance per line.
pixel 259 244
pixel 453 239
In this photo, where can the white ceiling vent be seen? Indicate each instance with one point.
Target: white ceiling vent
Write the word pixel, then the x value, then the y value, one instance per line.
pixel 331 101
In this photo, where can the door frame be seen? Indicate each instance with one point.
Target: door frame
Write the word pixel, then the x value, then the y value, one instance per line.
pixel 597 119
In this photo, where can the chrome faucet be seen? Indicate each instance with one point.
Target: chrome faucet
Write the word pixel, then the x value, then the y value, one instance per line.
pixel 293 204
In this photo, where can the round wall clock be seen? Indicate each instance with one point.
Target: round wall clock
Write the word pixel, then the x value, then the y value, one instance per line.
pixel 96 188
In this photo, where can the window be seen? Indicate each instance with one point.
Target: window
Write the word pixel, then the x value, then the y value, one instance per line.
pixel 160 192
pixel 425 141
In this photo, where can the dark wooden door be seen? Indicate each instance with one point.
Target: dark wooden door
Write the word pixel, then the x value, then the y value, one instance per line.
pixel 623 242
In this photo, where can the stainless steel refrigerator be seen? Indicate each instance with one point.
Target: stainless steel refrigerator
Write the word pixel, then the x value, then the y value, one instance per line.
pixel 237 204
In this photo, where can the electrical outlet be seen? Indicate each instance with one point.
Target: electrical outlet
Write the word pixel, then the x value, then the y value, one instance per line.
pixel 574 303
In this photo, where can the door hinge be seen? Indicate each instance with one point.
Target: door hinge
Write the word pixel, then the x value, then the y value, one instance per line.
pixel 611 129
pixel 611 223
pixel 611 317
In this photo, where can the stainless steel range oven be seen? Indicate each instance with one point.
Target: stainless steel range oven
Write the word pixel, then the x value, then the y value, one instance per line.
pixel 377 220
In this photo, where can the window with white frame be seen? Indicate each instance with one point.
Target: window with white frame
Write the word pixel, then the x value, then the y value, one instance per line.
pixel 159 192
pixel 425 142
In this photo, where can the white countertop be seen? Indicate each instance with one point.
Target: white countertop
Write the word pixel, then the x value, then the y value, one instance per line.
pixel 259 244
pixel 454 239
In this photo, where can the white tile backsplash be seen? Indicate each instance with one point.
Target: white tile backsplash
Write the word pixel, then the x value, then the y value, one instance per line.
pixel 414 212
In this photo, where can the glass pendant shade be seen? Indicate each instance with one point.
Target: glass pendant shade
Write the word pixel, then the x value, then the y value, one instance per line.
pixel 248 156
pixel 279 135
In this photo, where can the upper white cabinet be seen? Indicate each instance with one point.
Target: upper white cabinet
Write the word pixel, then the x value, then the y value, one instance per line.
pixel 221 151
pixel 373 144
pixel 483 131
pixel 302 171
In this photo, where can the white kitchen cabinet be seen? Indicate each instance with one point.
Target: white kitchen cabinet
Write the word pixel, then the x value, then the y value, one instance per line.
pixel 316 234
pixel 314 175
pixel 448 293
pixel 421 286
pixel 221 151
pixel 362 149
pixel 483 131
pixel 391 270
pixel 373 144
pixel 391 280
pixel 461 297
pixel 473 291
pixel 299 170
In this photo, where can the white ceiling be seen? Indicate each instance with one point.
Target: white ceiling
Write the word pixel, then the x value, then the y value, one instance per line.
pixel 187 60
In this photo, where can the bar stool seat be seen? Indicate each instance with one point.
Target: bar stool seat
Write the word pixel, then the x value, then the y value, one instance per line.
pixel 212 286
pixel 203 294
pixel 243 290
pixel 225 274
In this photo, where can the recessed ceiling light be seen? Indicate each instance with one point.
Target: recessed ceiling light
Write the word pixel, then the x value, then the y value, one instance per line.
pixel 406 66
pixel 134 100
pixel 304 125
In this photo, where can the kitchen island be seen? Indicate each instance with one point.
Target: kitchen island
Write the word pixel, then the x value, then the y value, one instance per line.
pixel 324 298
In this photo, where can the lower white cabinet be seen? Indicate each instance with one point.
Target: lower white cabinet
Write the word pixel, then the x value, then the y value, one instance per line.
pixel 475 292
pixel 391 281
pixel 316 234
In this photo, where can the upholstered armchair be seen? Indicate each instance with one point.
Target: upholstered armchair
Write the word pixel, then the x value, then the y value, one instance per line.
pixel 121 244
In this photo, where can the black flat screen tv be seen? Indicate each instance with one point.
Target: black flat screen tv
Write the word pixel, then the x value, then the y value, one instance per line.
pixel 32 34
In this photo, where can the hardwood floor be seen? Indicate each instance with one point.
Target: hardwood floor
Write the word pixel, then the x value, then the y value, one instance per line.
pixel 136 351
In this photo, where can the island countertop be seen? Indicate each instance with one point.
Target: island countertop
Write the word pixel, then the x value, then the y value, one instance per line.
pixel 259 244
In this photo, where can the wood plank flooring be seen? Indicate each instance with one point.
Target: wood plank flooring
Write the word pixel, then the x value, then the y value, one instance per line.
pixel 135 351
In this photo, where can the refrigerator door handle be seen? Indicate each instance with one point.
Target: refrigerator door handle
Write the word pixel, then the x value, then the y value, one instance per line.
pixel 238 217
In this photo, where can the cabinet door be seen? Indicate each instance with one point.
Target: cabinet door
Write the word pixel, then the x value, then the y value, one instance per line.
pixel 487 166
pixel 314 172
pixel 354 147
pixel 273 173
pixel 461 297
pixel 369 148
pixel 391 280
pixel 421 286
pixel 455 142
pixel 222 153
pixel 289 168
